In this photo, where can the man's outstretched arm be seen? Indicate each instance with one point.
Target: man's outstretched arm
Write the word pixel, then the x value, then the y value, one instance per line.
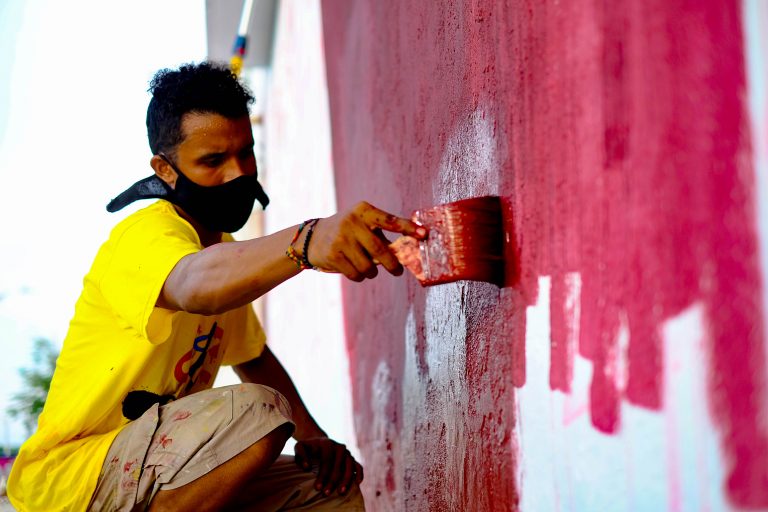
pixel 225 276
pixel 337 468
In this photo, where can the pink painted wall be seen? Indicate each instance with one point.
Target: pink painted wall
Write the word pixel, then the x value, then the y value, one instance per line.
pixel 618 135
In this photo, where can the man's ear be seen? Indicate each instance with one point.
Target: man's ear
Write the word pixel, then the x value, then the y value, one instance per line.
pixel 163 170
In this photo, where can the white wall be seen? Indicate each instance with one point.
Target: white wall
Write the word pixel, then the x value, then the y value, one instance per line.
pixel 303 317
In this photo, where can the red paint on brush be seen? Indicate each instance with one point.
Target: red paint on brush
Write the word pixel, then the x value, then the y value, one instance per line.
pixel 618 141
pixel 464 243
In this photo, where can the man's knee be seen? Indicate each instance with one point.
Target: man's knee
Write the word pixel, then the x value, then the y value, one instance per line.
pixel 254 399
pixel 249 395
pixel 221 486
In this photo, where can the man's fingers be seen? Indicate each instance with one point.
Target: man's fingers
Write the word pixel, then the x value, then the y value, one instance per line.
pixel 349 270
pixel 334 479
pixel 352 259
pixel 379 251
pixel 375 218
pixel 361 258
pixel 353 243
pixel 337 469
pixel 301 456
pixel 380 235
pixel 325 469
pixel 347 478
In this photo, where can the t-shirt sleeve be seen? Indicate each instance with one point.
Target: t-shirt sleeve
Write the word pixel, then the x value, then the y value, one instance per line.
pixel 248 339
pixel 143 255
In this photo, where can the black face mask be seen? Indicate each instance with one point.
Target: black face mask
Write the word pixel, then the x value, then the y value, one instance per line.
pixel 221 208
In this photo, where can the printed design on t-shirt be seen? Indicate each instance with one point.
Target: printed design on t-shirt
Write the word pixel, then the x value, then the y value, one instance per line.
pixel 189 368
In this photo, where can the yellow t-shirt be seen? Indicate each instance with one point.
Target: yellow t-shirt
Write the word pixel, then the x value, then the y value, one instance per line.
pixel 118 342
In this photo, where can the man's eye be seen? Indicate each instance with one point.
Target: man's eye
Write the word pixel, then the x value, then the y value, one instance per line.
pixel 212 162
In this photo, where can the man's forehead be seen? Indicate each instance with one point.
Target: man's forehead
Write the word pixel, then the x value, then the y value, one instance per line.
pixel 203 129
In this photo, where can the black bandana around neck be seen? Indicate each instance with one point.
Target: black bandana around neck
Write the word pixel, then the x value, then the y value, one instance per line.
pixel 221 208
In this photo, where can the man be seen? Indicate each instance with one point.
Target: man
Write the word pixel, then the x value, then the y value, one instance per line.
pixel 131 422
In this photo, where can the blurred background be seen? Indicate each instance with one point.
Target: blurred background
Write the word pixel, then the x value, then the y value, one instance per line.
pixel 73 100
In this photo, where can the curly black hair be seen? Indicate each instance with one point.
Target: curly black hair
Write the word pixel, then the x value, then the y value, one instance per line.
pixel 206 87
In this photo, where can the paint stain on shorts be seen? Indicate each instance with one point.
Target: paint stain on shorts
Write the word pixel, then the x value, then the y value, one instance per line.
pixel 164 441
pixel 181 415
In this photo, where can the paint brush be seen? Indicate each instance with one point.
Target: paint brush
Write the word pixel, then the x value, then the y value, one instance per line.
pixel 465 242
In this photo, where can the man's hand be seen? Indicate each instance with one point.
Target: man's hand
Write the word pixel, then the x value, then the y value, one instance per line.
pixel 337 467
pixel 352 242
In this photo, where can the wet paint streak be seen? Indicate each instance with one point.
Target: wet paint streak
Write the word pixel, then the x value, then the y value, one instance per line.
pixel 732 292
pixel 621 149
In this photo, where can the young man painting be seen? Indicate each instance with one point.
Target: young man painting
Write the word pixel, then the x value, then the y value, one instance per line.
pixel 131 421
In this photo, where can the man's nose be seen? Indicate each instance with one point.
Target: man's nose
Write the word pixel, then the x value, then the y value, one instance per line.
pixel 236 169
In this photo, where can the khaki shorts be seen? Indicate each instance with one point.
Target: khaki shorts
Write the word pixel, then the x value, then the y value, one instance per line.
pixel 172 445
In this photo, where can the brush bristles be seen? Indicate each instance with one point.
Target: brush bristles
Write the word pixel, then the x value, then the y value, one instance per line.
pixel 465 241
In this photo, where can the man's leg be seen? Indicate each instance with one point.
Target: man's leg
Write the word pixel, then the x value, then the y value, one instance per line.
pixel 185 440
pixel 213 450
pixel 281 486
pixel 285 486
pixel 223 486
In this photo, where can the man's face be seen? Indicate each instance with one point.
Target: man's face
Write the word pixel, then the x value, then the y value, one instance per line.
pixel 215 149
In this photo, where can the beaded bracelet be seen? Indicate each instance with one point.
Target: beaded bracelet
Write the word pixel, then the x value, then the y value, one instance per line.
pixel 291 252
pixel 301 261
pixel 305 256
